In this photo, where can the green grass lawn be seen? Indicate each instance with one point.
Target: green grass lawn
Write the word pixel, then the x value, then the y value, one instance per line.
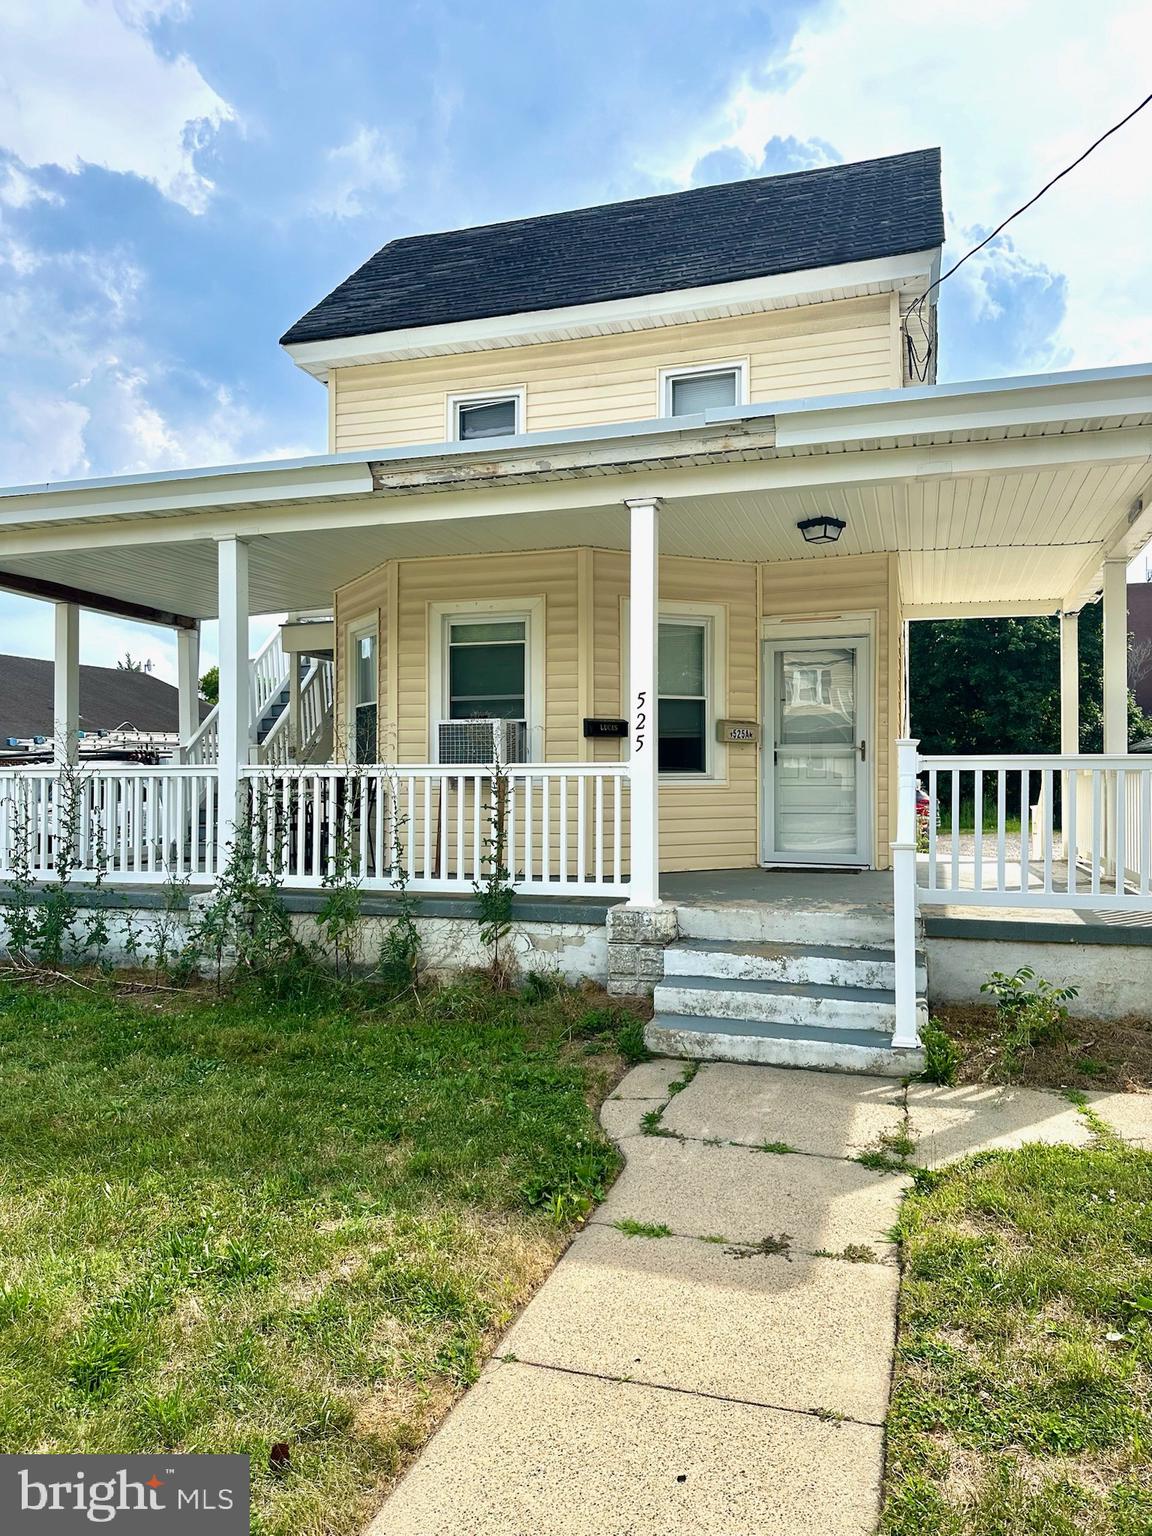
pixel 1022 1401
pixel 228 1226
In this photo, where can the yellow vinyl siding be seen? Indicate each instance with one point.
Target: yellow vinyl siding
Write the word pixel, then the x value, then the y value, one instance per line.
pixel 712 824
pixel 842 585
pixel 839 346
pixel 516 579
pixel 364 598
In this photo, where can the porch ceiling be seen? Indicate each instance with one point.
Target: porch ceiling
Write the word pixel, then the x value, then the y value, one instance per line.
pixel 1004 492
pixel 1017 536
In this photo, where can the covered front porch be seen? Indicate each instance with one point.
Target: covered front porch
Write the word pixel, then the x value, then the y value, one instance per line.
pixel 1017 497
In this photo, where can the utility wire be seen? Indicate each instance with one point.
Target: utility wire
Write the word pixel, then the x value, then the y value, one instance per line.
pixel 920 364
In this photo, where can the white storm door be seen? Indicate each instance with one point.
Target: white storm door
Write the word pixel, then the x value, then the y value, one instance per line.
pixel 817 752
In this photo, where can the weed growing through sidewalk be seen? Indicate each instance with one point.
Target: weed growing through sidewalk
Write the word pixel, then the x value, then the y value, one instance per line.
pixel 780 1148
pixel 852 1253
pixel 632 1228
pixel 892 1151
pixel 690 1070
pixel 779 1246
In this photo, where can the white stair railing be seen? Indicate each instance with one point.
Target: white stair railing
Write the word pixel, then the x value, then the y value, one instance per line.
pixel 267 676
pixel 267 673
pixel 315 719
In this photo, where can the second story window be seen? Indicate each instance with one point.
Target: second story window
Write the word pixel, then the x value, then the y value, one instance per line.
pixel 475 416
pixel 688 391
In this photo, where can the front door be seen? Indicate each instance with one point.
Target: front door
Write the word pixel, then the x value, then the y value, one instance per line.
pixel 817 752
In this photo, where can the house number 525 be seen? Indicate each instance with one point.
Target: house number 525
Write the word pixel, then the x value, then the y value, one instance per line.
pixel 641 719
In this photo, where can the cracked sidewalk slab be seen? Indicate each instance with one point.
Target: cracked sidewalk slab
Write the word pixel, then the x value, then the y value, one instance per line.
pixel 744 1196
pixel 837 1115
pixel 947 1123
pixel 529 1451
pixel 788 1331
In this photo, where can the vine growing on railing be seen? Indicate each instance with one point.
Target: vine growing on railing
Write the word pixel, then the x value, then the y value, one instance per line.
pixel 495 894
pixel 244 930
pixel 399 964
pixel 19 906
pixel 339 916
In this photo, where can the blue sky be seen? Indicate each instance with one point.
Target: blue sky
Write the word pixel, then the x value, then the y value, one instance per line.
pixel 179 181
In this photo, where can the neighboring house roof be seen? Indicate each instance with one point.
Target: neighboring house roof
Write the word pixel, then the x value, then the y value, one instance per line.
pixel 108 698
pixel 715 234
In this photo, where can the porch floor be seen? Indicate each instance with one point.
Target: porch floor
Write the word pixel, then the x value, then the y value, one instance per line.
pixel 873 888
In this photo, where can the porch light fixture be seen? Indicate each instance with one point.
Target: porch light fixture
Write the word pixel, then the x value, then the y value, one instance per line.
pixel 821 530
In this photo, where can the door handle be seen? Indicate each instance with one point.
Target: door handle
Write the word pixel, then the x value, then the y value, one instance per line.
pixel 863 749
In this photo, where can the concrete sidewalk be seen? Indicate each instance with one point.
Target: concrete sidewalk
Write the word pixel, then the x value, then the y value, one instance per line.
pixel 729 1378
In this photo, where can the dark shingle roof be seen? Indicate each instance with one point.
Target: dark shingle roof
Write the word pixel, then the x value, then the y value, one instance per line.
pixel 108 698
pixel 714 234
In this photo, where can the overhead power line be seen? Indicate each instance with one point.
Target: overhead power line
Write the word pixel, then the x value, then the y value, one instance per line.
pixel 919 364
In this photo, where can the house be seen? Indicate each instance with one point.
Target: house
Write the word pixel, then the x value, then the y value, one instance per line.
pixel 625 514
pixel 118 709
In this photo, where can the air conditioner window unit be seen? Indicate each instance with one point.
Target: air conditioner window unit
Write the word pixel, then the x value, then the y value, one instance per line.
pixel 480 743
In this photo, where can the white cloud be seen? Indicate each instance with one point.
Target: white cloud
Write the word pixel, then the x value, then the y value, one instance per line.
pixel 357 173
pixel 1012 90
pixel 81 84
pixel 46 438
pixel 18 188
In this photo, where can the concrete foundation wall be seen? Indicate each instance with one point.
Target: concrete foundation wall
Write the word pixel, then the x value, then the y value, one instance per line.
pixel 573 951
pixel 1114 980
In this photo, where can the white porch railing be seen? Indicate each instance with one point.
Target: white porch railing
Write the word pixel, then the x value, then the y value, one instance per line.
pixel 565 825
pixel 122 824
pixel 1035 832
pixel 1044 831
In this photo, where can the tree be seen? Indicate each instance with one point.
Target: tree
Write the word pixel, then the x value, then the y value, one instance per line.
pixel 993 685
pixel 210 685
pixel 128 663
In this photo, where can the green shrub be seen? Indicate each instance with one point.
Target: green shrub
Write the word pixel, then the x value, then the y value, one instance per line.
pixel 1029 1012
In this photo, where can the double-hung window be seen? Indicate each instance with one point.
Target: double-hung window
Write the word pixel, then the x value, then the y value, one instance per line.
pixel 689 391
pixel 471 417
pixel 487 668
pixel 364 678
pixel 683 664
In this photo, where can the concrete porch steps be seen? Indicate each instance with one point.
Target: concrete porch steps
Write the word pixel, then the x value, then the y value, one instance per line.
pixel 774 1044
pixel 797 982
pixel 799 964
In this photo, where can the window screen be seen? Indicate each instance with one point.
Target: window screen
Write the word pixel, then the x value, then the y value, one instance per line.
pixel 487 669
pixel 486 418
pixel 703 391
pixel 682 686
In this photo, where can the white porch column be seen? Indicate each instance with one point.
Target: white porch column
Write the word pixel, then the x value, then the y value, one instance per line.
pixel 66 685
pixel 295 668
pixel 234 718
pixel 188 682
pixel 1116 656
pixel 643 764
pixel 1069 716
pixel 906 1034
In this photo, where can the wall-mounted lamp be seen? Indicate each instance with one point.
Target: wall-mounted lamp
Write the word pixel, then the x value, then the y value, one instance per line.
pixel 821 530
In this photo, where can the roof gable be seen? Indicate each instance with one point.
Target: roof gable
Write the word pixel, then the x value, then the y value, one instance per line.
pixel 714 234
